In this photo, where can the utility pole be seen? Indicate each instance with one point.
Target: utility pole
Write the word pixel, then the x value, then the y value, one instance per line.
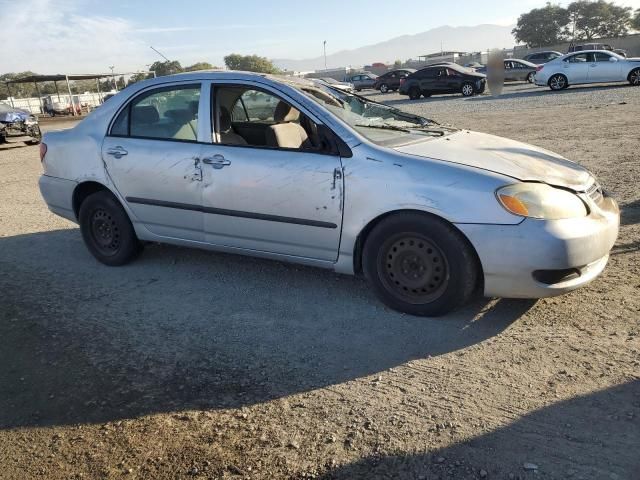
pixel 113 77
pixel 325 54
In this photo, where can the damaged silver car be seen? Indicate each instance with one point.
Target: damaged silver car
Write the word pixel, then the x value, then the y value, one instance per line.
pixel 285 169
pixel 17 126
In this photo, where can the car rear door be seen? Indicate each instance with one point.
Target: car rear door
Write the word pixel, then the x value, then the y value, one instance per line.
pixel 576 68
pixel 603 69
pixel 152 154
pixel 266 198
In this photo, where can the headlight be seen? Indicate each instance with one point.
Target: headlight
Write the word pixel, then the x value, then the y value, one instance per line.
pixel 538 200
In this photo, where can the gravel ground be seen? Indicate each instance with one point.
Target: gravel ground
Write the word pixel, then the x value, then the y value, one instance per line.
pixel 190 364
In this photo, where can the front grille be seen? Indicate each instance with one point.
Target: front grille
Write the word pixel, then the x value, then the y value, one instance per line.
pixel 595 193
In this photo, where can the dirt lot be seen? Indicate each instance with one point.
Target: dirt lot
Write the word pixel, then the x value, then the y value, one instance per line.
pixel 188 364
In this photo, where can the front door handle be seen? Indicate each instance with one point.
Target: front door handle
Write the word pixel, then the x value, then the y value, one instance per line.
pixel 117 152
pixel 217 161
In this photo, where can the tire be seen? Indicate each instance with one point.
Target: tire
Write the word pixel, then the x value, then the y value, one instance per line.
pixel 420 265
pixel 467 89
pixel 531 78
pixel 107 230
pixel 558 82
pixel 426 94
pixel 414 93
pixel 634 77
pixel 384 88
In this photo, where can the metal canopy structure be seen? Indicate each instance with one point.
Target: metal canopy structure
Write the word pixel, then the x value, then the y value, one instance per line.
pixel 55 78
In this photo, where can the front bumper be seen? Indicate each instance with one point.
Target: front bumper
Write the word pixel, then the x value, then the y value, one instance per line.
pixel 515 258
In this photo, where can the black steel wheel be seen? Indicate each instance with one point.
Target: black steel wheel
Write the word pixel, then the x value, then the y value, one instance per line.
pixel 107 230
pixel 420 264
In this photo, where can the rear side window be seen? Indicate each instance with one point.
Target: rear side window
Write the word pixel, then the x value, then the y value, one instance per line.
pixel 165 114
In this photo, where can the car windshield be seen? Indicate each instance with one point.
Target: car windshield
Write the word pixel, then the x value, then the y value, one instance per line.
pixel 379 123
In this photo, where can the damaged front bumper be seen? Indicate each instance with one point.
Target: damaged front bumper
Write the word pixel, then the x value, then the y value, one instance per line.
pixel 20 131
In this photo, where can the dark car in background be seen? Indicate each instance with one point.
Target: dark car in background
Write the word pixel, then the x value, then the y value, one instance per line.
pixel 362 81
pixel 17 125
pixel 596 46
pixel 441 79
pixel 540 58
pixel 391 81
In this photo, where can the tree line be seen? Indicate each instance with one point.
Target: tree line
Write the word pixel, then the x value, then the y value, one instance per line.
pixel 579 21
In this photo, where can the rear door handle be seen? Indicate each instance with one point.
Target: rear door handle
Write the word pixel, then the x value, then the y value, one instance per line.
pixel 117 152
pixel 217 161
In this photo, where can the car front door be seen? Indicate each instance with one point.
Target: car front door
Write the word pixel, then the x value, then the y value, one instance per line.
pixel 576 68
pixel 603 69
pixel 152 154
pixel 267 193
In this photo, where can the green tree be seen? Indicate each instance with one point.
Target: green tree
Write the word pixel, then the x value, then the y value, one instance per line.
pixel 542 26
pixel 166 68
pixel 599 19
pixel 250 63
pixel 199 66
pixel 397 64
pixel 635 23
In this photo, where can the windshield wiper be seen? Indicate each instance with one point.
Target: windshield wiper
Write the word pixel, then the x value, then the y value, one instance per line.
pixel 385 127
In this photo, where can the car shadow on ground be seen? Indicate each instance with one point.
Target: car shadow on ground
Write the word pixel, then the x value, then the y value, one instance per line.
pixel 594 436
pixel 187 329
pixel 630 213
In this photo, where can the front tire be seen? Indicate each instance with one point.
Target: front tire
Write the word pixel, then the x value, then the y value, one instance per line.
pixel 107 230
pixel 558 82
pixel 634 77
pixel 414 93
pixel 420 265
pixel 467 89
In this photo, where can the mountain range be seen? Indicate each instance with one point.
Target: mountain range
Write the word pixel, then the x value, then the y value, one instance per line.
pixel 466 39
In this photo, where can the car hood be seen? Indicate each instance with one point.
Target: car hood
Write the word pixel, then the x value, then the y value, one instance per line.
pixel 507 157
pixel 14 115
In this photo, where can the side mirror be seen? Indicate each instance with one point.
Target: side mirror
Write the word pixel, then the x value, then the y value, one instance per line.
pixel 613 59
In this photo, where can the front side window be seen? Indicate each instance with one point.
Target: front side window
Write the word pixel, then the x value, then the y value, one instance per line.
pixel 164 114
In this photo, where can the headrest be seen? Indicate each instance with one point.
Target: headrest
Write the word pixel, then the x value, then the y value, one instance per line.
pixel 147 114
pixel 285 113
pixel 180 116
pixel 225 120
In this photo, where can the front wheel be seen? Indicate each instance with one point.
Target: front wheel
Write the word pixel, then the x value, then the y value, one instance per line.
pixel 420 265
pixel 414 93
pixel 558 82
pixel 467 89
pixel 384 88
pixel 634 77
pixel 107 230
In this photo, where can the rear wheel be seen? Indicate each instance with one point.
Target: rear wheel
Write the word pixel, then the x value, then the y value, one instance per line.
pixel 558 82
pixel 384 88
pixel 634 77
pixel 467 89
pixel 107 230
pixel 531 77
pixel 420 265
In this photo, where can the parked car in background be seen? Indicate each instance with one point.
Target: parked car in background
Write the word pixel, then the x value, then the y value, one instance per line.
pixel 596 46
pixel 332 82
pixel 473 65
pixel 17 125
pixel 516 70
pixel 430 214
pixel 392 80
pixel 362 81
pixel 596 66
pixel 441 79
pixel 539 58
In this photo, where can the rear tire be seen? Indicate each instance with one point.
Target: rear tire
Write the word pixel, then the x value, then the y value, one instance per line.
pixel 420 265
pixel 558 82
pixel 384 88
pixel 414 93
pixel 107 230
pixel 531 78
pixel 634 77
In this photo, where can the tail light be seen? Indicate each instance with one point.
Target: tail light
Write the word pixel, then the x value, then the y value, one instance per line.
pixel 43 151
pixel 539 68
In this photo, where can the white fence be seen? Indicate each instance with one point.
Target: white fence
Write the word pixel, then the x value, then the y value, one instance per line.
pixel 36 105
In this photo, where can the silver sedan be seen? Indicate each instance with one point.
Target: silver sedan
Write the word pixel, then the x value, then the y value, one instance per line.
pixel 284 169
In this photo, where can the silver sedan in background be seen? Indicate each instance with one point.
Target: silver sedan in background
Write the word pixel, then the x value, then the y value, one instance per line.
pixel 429 214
